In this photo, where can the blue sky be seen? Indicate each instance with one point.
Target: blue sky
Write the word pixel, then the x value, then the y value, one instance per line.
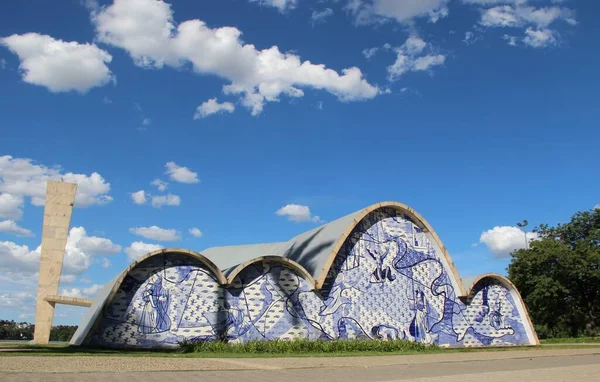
pixel 476 113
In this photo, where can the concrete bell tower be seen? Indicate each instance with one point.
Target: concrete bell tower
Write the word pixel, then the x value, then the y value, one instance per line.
pixel 60 198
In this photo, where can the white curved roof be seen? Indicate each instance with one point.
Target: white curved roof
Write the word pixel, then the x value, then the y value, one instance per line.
pixel 310 249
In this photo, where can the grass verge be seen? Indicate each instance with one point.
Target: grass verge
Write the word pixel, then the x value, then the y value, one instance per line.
pixel 271 349
pixel 306 346
pixel 580 340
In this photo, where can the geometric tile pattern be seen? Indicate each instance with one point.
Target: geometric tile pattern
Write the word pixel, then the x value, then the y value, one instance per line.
pixel 387 282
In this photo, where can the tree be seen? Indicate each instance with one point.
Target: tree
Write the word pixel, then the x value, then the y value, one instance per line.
pixel 559 276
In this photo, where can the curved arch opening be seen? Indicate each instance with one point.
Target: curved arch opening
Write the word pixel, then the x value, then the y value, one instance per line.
pixel 273 259
pixel 415 217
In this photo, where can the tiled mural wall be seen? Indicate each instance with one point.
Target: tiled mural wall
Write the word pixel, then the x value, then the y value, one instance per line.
pixel 387 282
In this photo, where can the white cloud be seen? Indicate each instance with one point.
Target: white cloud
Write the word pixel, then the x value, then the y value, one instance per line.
pixel 58 65
pixel 11 206
pixel 165 200
pixel 597 207
pixel 369 52
pixel 22 177
pixel 378 11
pixel 147 31
pixel 2 63
pixel 297 213
pixel 68 279
pixel 212 106
pixel 502 240
pixel 70 292
pixel 411 57
pixel 92 290
pixel 9 226
pixel 146 121
pixel 16 300
pixel 18 261
pixel 94 245
pixel 195 232
pixel 161 185
pixel 535 21
pixel 320 16
pixel 106 100
pixel 156 233
pixel 104 262
pixel 138 249
pixel 539 38
pixel 181 174
pixel 469 38
pixel 281 5
pixel 520 16
pixel 510 40
pixel 139 197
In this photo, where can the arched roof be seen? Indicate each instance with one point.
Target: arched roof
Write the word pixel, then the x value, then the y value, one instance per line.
pixel 471 284
pixel 110 289
pixel 315 250
pixel 310 254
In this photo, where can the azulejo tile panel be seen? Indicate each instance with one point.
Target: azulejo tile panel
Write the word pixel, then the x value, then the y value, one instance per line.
pixel 387 282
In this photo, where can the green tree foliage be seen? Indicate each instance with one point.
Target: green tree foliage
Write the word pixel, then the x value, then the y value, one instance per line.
pixel 559 277
pixel 62 333
pixel 11 330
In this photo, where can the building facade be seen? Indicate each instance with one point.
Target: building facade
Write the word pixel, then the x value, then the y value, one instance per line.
pixel 380 273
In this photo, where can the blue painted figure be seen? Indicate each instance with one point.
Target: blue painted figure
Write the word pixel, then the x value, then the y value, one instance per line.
pixel 388 281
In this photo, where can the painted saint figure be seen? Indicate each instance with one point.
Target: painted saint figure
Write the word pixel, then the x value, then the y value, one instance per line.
pixel 155 316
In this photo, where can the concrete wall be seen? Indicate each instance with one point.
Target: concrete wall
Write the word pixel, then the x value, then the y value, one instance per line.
pixel 58 208
pixel 387 282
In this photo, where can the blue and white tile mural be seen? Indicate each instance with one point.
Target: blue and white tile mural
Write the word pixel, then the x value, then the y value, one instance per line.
pixel 387 282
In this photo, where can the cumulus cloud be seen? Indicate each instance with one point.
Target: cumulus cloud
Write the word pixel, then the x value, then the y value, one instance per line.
pixel 297 213
pixel 139 197
pixel 165 200
pixel 379 11
pixel 21 177
pixel 58 65
pixel 370 52
pixel 88 292
pixel 511 40
pixel 11 206
pixel 68 279
pixel 18 261
pixel 539 38
pixel 147 31
pixel 181 174
pixel 10 227
pixel 502 240
pixel 320 16
pixel 517 16
pixel 411 56
pixel 94 245
pixel 281 5
pixel 161 185
pixel 195 232
pixel 534 20
pixel 138 249
pixel 212 106
pixel 156 233
pixel 16 300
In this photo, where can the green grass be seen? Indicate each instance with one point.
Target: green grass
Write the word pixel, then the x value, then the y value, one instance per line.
pixel 268 349
pixel 306 346
pixel 580 340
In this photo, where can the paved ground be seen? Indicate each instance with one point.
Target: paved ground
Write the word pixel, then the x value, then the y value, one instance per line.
pixel 530 366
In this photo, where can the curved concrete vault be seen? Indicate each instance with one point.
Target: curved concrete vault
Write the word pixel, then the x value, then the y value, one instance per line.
pixel 379 273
